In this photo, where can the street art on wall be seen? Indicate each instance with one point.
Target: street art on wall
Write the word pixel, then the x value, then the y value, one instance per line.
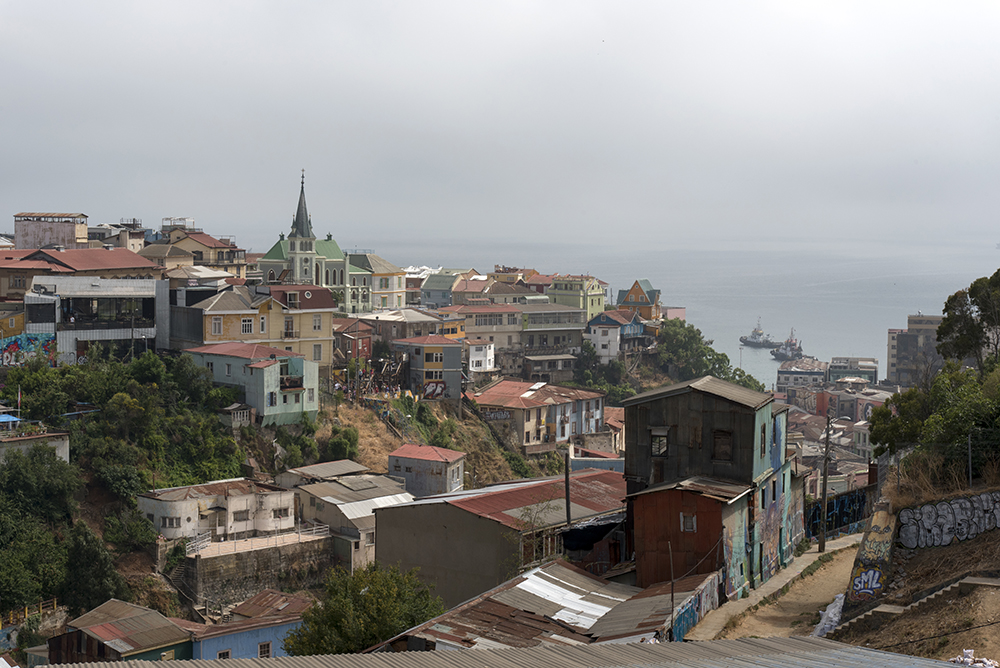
pixel 734 541
pixel 693 610
pixel 873 562
pixel 16 350
pixel 845 510
pixel 944 522
pixel 434 389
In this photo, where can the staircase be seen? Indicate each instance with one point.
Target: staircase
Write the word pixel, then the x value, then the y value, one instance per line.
pixel 884 613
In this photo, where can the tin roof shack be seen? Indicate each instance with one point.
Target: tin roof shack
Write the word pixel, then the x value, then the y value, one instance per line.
pixel 468 542
pixel 322 472
pixel 117 631
pixel 79 311
pixel 707 428
pixel 434 366
pixel 428 470
pixel 547 606
pixel 279 384
pixel 226 509
pixel 348 506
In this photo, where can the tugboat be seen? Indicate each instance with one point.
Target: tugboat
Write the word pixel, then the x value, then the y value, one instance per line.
pixel 758 339
pixel 791 349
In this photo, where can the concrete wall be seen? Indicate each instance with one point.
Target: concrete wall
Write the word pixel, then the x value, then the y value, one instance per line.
pixel 230 578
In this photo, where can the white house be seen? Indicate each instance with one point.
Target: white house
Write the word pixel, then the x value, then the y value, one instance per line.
pixel 428 470
pixel 481 356
pixel 228 509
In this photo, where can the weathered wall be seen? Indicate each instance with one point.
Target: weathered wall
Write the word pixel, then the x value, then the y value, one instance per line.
pixel 845 513
pixel 230 578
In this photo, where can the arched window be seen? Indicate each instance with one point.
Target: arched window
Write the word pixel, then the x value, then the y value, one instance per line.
pixel 317 273
pixel 291 246
pixel 327 277
pixel 270 276
pixel 342 277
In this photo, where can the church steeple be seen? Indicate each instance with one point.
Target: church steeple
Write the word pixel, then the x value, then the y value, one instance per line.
pixel 302 225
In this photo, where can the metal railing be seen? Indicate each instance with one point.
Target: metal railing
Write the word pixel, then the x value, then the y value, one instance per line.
pixel 300 533
pixel 18 615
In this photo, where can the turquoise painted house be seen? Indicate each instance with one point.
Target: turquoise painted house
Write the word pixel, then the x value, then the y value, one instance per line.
pixel 278 384
pixel 708 480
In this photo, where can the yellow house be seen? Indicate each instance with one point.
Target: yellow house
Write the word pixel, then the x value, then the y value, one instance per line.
pixel 11 319
pixel 295 318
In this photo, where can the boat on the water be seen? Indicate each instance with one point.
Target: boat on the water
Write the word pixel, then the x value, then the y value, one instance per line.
pixel 758 339
pixel 790 349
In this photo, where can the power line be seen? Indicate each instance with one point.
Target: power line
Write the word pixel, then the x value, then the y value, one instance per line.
pixel 940 635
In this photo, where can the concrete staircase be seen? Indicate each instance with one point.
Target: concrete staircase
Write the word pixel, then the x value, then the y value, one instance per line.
pixel 884 613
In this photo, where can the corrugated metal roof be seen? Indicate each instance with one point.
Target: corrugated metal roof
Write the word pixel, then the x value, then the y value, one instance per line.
pixel 329 469
pixel 92 286
pixel 365 508
pixel 272 602
pixel 234 487
pixel 427 453
pixel 743 653
pixel 708 385
pixel 129 628
pixel 714 488
pixel 354 488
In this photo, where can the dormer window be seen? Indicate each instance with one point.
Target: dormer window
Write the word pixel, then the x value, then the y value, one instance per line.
pixel 293 300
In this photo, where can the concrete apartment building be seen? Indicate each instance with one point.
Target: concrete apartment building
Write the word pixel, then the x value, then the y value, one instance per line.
pixel 912 352
pixel 428 470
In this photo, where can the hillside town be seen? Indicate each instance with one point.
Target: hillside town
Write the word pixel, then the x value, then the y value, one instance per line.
pixel 647 510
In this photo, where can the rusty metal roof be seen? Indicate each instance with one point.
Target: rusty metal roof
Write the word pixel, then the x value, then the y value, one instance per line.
pixel 726 491
pixel 427 453
pixel 554 604
pixel 646 611
pixel 271 602
pixel 129 628
pixel 708 385
pixel 234 487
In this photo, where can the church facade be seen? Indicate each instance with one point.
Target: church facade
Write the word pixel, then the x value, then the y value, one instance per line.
pixel 302 259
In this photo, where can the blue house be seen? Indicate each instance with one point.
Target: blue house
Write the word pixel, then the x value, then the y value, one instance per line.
pixel 611 332
pixel 259 638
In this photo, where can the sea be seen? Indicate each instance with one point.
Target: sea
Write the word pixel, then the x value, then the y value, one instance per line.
pixel 840 299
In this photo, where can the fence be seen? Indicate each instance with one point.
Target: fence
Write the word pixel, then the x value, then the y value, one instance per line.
pixel 300 533
pixel 18 615
pixel 846 512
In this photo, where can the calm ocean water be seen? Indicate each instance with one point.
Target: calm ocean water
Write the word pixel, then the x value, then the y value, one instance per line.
pixel 839 302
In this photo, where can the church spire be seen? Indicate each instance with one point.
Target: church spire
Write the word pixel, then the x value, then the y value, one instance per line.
pixel 301 225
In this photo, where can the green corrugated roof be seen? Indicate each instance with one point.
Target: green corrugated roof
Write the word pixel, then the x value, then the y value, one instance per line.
pixel 279 251
pixel 329 249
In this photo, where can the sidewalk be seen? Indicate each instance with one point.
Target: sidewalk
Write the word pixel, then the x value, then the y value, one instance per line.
pixel 712 624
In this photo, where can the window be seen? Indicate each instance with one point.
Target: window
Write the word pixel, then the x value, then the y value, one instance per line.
pixel 272 398
pixel 246 326
pixel 224 654
pixel 658 437
pixel 284 398
pixel 229 369
pixel 312 394
pixel 689 523
pixel 317 352
pixel 298 398
pixel 433 357
pixel 293 299
pixel 210 366
pixel 11 321
pixel 409 469
pixel 216 325
pixel 264 650
pixel 396 467
pixel 763 440
pixel 317 322
pixel 170 522
pixel 722 445
pixel 19 281
pixel 241 516
pixel 279 513
pixel 370 538
pixel 434 375
pixel 263 324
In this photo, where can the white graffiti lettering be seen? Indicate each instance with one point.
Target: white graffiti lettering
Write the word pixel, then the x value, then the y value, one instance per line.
pixel 868 582
pixel 936 524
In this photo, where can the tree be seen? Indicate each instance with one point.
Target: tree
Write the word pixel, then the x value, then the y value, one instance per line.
pixel 363 609
pixel 685 354
pixel 92 578
pixel 970 328
pixel 40 483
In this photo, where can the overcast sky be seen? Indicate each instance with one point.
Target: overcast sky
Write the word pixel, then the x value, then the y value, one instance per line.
pixel 478 124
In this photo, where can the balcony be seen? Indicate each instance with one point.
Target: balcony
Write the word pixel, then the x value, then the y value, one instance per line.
pixel 291 383
pixel 290 334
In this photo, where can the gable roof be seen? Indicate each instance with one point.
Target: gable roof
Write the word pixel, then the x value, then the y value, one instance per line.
pixel 373 263
pixel 325 470
pixel 164 250
pixel 310 296
pixel 709 385
pixel 273 603
pixel 439 282
pixel 652 294
pixel 427 453
pixel 128 628
pixel 76 259
pixel 620 316
pixel 510 393
pixel 208 240
pixel 250 351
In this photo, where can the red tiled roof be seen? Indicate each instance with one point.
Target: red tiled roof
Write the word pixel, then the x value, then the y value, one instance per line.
pixel 431 340
pixel 598 491
pixel 250 351
pixel 427 453
pixel 76 259
pixel 263 364
pixel 541 279
pixel 509 394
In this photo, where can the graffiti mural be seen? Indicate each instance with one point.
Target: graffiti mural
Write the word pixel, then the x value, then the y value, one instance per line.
pixel 873 562
pixel 941 523
pixel 496 415
pixel 734 541
pixel 690 612
pixel 769 537
pixel 843 511
pixel 16 350
pixel 434 389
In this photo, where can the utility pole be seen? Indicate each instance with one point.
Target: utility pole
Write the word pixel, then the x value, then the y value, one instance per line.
pixel 826 467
